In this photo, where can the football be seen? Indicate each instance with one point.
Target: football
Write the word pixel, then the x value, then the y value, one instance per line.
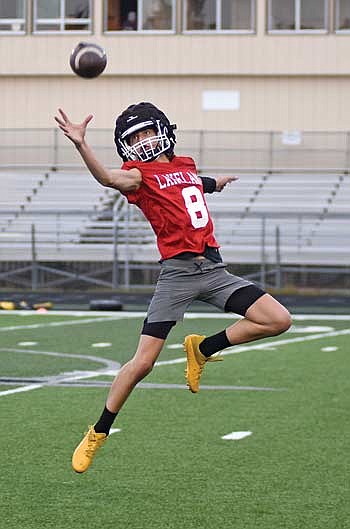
pixel 88 60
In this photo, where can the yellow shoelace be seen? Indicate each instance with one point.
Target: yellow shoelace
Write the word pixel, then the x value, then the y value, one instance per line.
pixel 93 443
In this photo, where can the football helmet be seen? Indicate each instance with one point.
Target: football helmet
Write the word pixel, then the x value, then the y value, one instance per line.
pixel 139 117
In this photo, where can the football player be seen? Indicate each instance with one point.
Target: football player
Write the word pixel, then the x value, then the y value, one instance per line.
pixel 170 194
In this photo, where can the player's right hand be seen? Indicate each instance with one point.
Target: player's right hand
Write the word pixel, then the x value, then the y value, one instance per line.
pixel 222 181
pixel 74 131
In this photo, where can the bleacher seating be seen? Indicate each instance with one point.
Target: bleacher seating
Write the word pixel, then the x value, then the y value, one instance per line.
pixel 300 205
pixel 58 204
pixel 16 192
pixel 73 218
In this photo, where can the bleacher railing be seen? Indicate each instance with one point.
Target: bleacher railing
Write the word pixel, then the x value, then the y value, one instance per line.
pixel 50 255
pixel 218 151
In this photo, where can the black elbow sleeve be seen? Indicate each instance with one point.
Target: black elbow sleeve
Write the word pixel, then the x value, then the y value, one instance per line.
pixel 209 184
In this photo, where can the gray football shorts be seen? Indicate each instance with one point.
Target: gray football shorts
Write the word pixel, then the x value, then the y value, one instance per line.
pixel 181 281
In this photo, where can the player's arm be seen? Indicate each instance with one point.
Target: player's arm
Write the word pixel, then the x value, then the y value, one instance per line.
pixel 211 184
pixel 120 179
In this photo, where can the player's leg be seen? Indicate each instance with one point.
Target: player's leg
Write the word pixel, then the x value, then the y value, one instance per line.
pixel 263 316
pixel 172 296
pixel 148 350
pixel 174 291
pixel 133 371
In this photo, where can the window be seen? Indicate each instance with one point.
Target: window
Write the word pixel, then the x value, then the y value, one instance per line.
pixel 219 15
pixel 342 15
pixel 62 15
pixel 140 15
pixel 12 16
pixel 297 15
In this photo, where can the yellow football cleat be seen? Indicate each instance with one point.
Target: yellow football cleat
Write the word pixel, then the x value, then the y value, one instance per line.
pixel 195 361
pixel 85 451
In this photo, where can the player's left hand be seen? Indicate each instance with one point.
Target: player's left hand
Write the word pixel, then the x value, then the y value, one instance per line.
pixel 74 131
pixel 221 181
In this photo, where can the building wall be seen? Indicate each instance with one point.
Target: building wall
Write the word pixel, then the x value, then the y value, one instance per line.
pixel 284 81
pixel 267 103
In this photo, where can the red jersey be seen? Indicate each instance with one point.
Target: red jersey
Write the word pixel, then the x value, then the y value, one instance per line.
pixel 171 198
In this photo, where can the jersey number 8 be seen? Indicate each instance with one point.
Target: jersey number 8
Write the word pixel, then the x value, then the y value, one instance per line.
pixel 195 206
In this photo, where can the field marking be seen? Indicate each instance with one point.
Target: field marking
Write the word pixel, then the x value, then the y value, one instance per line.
pixel 236 436
pixel 293 330
pixel 55 324
pixel 287 341
pixel 76 381
pixel 329 349
pixel 110 364
pixel 68 378
pixel 114 430
pixel 21 389
pixel 240 348
pixel 125 315
pixel 301 329
pixel 152 385
pixel 78 313
pixel 233 350
pixel 188 315
pixel 321 317
pixel 297 317
pixel 64 377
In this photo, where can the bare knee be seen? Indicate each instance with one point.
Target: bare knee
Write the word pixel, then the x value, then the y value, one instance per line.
pixel 141 367
pixel 280 323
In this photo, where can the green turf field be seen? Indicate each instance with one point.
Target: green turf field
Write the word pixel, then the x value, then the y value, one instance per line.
pixel 168 466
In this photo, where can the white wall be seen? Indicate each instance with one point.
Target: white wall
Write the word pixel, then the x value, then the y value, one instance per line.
pixel 285 81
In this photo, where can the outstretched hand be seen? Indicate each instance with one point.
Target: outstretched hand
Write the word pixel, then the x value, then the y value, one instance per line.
pixel 74 131
pixel 221 181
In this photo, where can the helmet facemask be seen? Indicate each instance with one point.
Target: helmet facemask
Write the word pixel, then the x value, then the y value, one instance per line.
pixel 147 149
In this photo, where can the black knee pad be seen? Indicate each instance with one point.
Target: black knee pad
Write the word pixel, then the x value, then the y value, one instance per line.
pixel 158 329
pixel 243 298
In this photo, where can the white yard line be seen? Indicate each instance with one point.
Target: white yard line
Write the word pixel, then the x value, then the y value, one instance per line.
pixel 122 315
pixel 76 313
pixel 232 350
pixel 109 364
pixel 236 436
pixel 20 390
pixel 141 314
pixel 69 378
pixel 287 341
pixel 241 348
pixel 321 317
pixel 56 324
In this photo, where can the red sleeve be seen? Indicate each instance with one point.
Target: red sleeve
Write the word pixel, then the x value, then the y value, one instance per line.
pixel 132 196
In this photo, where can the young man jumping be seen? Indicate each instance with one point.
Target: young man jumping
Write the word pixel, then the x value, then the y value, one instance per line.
pixel 170 194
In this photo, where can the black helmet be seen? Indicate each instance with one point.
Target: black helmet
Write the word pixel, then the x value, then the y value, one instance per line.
pixel 139 117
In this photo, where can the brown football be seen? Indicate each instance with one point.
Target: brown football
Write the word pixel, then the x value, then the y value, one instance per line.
pixel 88 60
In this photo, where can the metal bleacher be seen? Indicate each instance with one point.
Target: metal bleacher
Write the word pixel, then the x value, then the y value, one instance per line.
pixel 57 204
pixel 303 216
pixel 311 213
